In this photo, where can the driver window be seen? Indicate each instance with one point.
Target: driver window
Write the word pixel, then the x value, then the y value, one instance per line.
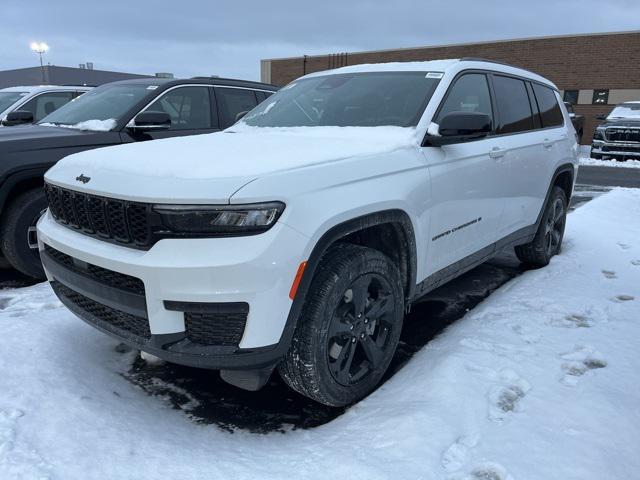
pixel 470 93
pixel 188 107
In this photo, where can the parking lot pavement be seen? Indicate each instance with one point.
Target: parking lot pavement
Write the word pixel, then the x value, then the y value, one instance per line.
pixel 609 176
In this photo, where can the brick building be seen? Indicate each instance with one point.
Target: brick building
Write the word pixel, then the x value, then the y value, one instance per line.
pixel 593 71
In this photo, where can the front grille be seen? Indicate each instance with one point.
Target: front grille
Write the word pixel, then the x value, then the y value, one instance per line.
pixel 122 324
pixel 119 221
pixel 623 134
pixel 102 275
pixel 223 329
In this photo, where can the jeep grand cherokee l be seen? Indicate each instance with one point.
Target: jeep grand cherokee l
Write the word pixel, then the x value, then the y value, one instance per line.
pixel 298 238
pixel 120 112
pixel 618 136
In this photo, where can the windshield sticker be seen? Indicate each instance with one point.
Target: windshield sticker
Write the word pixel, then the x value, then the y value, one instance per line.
pixel 152 87
pixel 434 75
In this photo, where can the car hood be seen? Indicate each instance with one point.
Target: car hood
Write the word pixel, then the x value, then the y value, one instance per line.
pixel 211 168
pixel 36 137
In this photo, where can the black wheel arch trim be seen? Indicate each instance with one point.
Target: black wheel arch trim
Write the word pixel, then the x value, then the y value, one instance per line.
pixel 11 180
pixel 566 167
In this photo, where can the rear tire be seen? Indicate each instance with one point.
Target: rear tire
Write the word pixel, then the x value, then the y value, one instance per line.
pixel 548 239
pixel 17 232
pixel 349 328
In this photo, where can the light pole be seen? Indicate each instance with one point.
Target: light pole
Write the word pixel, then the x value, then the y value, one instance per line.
pixel 40 48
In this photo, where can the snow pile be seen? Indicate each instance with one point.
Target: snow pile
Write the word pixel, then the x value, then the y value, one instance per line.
pixel 91 125
pixel 592 162
pixel 537 382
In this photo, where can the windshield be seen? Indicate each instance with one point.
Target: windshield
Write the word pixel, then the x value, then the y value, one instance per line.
pixel 368 99
pixel 627 110
pixel 9 98
pixel 104 104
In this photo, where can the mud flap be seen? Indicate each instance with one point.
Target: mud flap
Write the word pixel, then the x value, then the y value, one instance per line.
pixel 252 380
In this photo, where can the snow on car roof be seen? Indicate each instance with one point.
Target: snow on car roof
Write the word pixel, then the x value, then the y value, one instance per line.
pixel 36 88
pixel 436 66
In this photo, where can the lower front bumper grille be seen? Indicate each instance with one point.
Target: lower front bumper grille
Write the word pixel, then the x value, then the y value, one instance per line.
pixel 224 329
pixel 130 327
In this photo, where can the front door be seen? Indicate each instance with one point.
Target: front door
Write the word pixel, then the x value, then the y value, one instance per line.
pixel 466 198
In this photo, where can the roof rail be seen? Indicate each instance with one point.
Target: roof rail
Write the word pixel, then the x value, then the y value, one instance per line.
pixel 76 85
pixel 478 59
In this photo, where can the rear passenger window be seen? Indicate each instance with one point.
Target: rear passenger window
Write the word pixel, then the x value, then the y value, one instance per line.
pixel 231 102
pixel 550 112
pixel 470 93
pixel 513 105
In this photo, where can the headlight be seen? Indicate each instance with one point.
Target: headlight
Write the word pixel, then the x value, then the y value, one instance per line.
pixel 599 133
pixel 220 220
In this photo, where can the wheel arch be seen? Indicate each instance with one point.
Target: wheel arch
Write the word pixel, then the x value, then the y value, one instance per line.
pixel 18 183
pixel 563 177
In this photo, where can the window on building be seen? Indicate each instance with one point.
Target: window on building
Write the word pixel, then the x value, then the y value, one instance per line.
pixel 513 105
pixel 571 96
pixel 470 93
pixel 188 107
pixel 47 103
pixel 600 97
pixel 550 112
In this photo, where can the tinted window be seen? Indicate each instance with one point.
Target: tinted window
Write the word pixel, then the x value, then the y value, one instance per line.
pixel 571 96
pixel 368 99
pixel 232 101
pixel 47 103
pixel 470 93
pixel 513 105
pixel 188 107
pixel 550 112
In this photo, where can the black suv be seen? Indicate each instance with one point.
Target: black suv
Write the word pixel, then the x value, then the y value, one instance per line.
pixel 115 113
pixel 618 136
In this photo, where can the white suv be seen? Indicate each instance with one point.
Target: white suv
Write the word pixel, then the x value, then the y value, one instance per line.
pixel 22 105
pixel 299 237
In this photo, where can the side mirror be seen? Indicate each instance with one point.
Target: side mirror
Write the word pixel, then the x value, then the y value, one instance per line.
pixel 18 117
pixel 148 121
pixel 458 127
pixel 601 117
pixel 241 114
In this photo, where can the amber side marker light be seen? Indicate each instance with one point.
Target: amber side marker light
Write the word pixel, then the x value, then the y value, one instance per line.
pixel 296 280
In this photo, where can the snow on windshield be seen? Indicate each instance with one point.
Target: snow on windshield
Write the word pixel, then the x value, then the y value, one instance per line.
pixel 93 125
pixel 626 111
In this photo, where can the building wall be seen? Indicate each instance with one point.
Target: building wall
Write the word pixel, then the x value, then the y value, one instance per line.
pixel 579 62
pixel 54 75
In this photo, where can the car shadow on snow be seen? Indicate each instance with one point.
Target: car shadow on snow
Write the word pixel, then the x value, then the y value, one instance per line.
pixel 206 399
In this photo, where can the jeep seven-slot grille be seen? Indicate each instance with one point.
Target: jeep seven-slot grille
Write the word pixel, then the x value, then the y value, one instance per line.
pixel 119 221
pixel 99 274
pixel 121 323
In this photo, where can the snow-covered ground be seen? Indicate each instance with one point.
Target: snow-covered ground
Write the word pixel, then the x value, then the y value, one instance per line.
pixel 539 381
pixel 585 152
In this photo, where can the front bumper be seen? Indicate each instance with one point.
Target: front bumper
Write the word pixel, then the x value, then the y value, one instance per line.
pixel 219 303
pixel 616 149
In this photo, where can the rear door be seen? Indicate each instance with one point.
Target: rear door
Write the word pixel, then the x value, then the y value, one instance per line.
pixel 465 183
pixel 521 146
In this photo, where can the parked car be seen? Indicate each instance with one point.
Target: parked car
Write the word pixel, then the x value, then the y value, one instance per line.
pixel 618 136
pixel 24 105
pixel 116 113
pixel 576 120
pixel 299 237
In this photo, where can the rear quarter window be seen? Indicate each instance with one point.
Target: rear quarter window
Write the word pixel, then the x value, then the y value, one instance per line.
pixel 550 112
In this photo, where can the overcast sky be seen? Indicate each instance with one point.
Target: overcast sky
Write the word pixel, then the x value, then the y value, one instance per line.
pixel 199 37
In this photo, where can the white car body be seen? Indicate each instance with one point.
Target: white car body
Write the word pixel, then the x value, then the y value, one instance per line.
pixel 28 93
pixel 461 203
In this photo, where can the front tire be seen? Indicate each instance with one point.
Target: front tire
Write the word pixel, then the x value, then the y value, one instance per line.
pixel 349 327
pixel 548 239
pixel 17 233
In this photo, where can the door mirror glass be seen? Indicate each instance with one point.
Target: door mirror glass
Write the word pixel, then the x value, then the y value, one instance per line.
pixel 458 127
pixel 150 120
pixel 18 117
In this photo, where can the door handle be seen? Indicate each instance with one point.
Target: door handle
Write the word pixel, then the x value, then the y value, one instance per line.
pixel 497 152
pixel 546 143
